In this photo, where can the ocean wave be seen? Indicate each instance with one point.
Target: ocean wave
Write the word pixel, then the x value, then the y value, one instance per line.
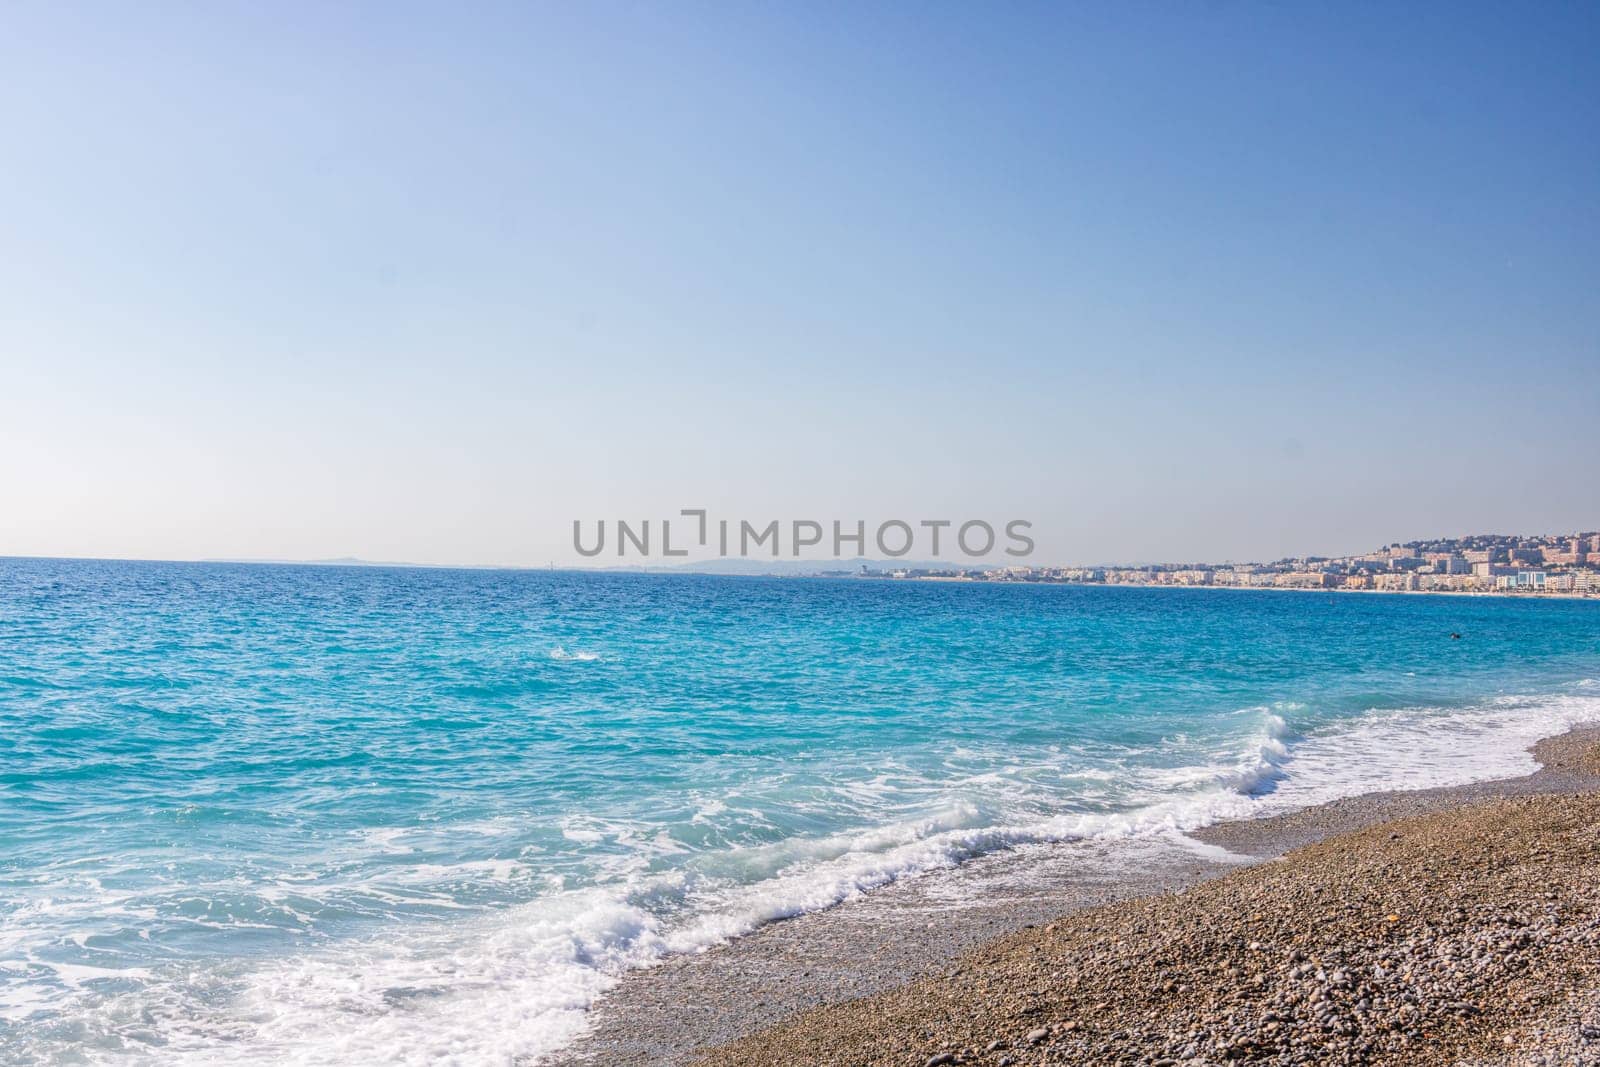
pixel 517 984
pixel 1263 765
pixel 1428 747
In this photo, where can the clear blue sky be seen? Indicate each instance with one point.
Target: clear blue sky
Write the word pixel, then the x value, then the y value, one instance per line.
pixel 427 282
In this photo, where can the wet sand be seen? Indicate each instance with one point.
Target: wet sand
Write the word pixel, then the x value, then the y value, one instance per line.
pixel 950 963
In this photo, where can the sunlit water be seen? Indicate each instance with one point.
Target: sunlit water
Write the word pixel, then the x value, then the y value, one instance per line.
pixel 342 815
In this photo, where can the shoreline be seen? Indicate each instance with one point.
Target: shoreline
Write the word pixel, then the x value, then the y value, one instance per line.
pixel 1489 593
pixel 768 993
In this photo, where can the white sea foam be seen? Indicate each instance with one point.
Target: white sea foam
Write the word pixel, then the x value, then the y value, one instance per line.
pixel 1422 748
pixel 510 986
pixel 560 653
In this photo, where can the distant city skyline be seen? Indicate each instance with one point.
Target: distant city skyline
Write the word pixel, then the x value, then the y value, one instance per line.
pixel 1565 551
pixel 1513 565
pixel 399 282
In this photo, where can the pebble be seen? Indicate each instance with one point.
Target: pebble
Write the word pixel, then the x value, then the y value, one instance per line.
pixel 1280 964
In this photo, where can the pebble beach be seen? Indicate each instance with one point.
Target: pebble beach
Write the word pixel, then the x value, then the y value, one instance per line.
pixel 1447 926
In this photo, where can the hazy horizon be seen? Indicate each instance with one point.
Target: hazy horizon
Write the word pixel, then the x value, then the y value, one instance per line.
pixel 752 563
pixel 1186 284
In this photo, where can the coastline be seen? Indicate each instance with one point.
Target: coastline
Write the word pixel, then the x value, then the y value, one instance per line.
pixel 787 992
pixel 1480 593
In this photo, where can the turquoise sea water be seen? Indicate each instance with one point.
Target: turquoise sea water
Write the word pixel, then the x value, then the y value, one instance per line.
pixel 344 815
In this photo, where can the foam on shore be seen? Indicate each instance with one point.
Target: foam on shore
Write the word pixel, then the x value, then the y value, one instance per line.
pixel 517 984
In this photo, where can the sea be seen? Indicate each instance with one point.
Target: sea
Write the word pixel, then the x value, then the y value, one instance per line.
pixel 264 814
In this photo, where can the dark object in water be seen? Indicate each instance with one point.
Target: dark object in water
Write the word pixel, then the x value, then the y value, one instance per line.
pixel 1455 637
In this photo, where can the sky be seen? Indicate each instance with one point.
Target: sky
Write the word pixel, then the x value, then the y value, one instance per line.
pixel 429 282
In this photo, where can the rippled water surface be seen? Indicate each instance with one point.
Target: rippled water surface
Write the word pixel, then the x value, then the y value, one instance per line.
pixel 336 815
